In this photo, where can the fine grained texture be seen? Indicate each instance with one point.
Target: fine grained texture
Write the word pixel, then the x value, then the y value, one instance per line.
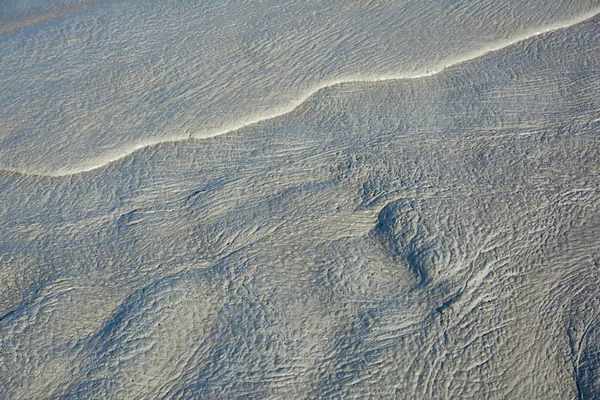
pixel 425 238
pixel 86 82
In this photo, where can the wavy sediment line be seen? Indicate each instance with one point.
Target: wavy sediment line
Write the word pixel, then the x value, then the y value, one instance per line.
pixel 128 150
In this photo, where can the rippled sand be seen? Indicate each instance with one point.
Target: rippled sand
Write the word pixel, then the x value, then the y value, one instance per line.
pixel 297 200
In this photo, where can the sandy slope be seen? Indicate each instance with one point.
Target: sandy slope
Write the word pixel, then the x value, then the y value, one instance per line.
pixel 427 238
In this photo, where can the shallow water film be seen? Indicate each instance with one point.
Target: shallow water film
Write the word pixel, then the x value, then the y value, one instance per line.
pixel 299 200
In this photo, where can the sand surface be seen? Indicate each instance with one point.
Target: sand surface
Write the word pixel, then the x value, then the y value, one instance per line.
pixel 299 200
